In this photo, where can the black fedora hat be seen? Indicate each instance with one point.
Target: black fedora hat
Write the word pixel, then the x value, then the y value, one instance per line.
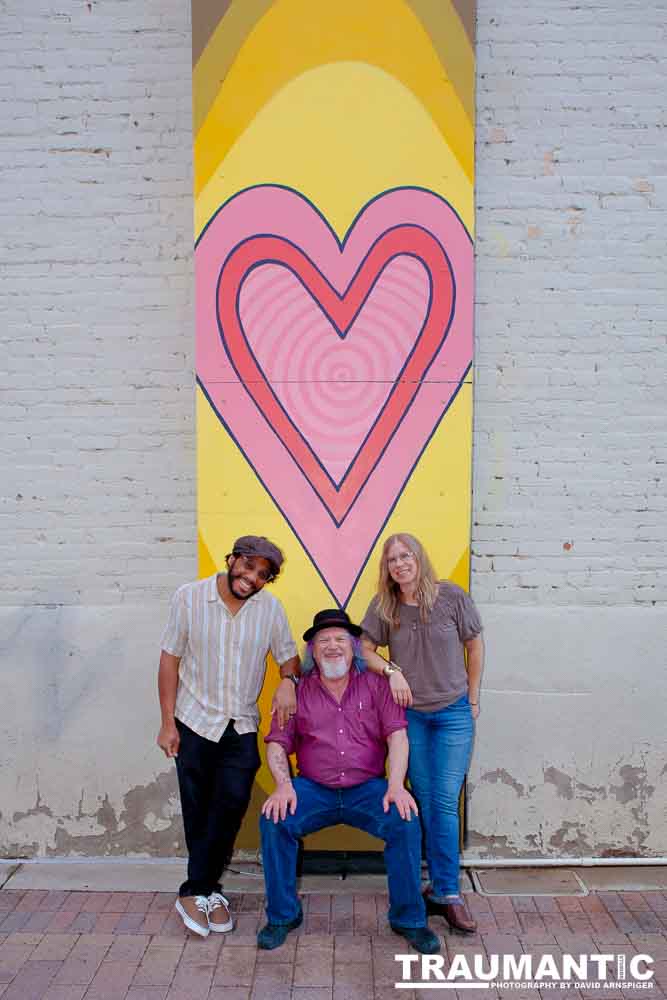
pixel 335 618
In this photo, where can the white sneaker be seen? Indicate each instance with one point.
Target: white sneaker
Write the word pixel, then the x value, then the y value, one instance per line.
pixel 194 913
pixel 219 917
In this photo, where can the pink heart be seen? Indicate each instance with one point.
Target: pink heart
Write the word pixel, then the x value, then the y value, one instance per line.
pixel 316 372
pixel 423 341
pixel 331 365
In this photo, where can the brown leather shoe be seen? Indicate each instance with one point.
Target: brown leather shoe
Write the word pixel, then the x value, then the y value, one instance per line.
pixel 456 914
pixel 219 918
pixel 193 911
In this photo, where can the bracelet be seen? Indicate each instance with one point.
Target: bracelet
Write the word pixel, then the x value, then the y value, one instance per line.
pixel 391 668
pixel 291 677
pixel 473 703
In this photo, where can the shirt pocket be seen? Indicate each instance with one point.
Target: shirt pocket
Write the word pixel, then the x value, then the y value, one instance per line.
pixel 365 723
pixel 444 630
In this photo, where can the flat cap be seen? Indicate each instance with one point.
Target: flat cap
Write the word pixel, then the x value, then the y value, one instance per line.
pixel 258 545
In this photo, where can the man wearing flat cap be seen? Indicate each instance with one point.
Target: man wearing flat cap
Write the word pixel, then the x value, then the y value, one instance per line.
pixel 212 669
pixel 345 726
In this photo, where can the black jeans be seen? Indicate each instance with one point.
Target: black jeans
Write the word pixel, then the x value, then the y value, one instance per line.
pixel 215 781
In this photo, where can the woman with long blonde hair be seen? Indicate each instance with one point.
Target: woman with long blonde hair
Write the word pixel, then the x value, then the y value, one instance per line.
pixel 433 632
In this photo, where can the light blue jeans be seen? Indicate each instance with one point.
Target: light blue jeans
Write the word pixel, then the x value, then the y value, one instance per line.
pixel 360 806
pixel 440 748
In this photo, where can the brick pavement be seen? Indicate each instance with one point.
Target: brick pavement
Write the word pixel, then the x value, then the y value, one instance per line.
pixel 132 946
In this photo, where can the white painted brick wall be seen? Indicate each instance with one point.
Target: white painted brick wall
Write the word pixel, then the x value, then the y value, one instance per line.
pixel 570 417
pixel 96 301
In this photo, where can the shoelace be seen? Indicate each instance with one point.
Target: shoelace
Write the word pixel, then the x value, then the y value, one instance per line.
pixel 216 900
pixel 201 902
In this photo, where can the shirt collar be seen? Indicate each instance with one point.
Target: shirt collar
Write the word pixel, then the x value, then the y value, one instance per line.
pixel 212 595
pixel 212 590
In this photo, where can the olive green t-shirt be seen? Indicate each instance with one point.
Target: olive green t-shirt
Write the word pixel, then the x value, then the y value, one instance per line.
pixel 430 653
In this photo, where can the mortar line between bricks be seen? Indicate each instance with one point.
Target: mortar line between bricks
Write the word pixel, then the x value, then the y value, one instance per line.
pixel 554 923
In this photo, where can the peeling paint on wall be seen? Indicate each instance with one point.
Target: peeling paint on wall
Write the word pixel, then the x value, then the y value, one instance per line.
pixel 39 809
pixel 149 822
pixel 633 785
pixel 590 793
pixel 570 839
pixel 501 775
pixel 535 822
pixel 561 782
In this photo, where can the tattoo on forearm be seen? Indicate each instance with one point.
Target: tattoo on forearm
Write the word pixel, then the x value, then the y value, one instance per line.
pixel 278 763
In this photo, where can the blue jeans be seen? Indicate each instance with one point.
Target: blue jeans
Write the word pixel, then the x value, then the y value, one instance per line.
pixel 361 807
pixel 440 748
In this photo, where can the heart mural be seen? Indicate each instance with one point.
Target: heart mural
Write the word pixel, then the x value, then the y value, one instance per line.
pixel 331 364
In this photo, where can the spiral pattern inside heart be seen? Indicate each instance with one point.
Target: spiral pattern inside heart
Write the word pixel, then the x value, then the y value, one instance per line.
pixel 333 384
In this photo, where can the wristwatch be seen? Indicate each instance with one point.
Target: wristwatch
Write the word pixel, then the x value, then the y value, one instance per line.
pixel 391 668
pixel 293 678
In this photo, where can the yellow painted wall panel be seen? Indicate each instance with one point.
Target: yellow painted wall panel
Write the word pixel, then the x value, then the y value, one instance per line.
pixel 334 293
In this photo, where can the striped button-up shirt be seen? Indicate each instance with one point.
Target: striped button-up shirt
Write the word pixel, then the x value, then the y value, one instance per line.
pixel 223 656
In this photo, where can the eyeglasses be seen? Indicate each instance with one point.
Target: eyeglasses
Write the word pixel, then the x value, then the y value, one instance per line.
pixel 401 558
pixel 249 562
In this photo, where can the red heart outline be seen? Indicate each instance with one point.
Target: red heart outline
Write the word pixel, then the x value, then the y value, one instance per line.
pixel 341 309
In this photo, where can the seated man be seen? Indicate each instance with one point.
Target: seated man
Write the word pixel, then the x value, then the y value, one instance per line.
pixel 345 720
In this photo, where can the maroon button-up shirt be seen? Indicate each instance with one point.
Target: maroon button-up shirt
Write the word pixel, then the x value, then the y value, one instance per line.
pixel 340 745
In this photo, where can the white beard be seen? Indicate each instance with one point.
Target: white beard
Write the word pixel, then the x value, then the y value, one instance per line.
pixel 333 669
